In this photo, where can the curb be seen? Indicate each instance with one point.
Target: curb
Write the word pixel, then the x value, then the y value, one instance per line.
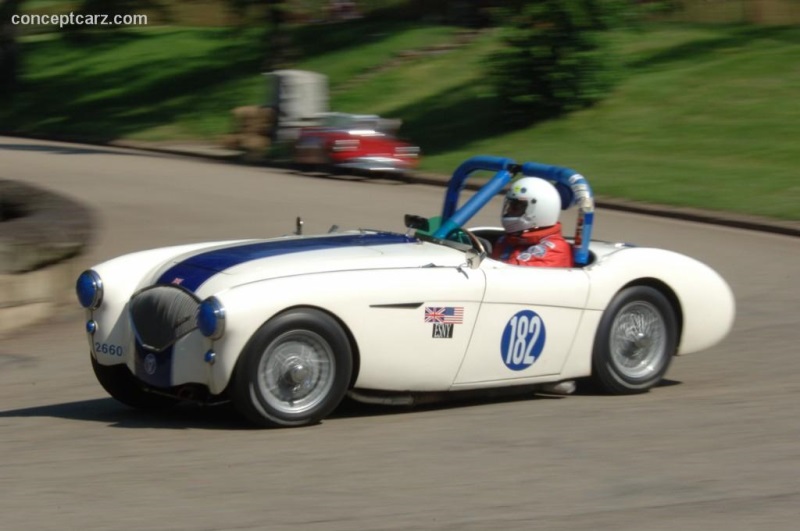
pixel 32 297
pixel 726 219
pixel 212 152
pixel 711 217
pixel 205 152
pixel 42 237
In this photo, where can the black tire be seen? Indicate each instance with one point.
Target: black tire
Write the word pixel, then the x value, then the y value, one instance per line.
pixel 635 342
pixel 118 381
pixel 294 371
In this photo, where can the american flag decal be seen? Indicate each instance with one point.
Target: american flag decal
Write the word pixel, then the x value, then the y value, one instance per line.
pixel 444 314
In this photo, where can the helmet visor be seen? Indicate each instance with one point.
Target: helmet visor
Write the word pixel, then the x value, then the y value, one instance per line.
pixel 514 208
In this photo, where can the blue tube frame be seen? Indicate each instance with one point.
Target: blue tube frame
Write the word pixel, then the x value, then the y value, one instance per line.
pixel 573 187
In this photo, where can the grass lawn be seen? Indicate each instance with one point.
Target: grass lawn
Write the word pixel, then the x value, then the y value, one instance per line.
pixel 703 116
pixel 159 83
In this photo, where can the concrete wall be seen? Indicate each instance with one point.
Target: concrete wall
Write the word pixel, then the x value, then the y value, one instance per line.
pixel 42 237
pixel 33 296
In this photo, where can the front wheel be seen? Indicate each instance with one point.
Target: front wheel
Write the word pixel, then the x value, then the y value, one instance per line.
pixel 294 371
pixel 635 341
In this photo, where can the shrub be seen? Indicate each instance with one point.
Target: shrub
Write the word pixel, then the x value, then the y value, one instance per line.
pixel 555 57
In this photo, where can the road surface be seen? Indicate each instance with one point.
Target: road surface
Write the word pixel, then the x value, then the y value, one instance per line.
pixel 716 447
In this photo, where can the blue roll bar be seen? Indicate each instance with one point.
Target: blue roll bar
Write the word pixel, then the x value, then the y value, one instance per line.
pixel 572 186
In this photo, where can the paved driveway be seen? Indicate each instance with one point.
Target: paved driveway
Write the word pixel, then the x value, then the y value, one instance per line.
pixel 716 447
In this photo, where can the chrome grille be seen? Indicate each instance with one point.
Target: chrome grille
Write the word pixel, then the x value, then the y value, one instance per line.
pixel 163 314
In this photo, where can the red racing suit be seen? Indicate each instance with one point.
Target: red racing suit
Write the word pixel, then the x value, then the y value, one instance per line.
pixel 537 247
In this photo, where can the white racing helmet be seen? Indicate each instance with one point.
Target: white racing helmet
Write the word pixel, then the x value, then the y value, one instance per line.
pixel 531 203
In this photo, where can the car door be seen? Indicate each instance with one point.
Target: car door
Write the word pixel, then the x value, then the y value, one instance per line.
pixel 413 325
pixel 526 324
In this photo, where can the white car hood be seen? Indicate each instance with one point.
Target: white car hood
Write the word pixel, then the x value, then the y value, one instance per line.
pixel 222 266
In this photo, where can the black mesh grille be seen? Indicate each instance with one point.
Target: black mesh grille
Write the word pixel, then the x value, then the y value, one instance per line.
pixel 163 314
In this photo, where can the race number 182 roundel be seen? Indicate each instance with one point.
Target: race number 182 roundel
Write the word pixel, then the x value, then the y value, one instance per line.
pixel 523 340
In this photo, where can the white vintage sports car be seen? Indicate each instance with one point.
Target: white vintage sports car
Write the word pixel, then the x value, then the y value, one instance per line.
pixel 286 327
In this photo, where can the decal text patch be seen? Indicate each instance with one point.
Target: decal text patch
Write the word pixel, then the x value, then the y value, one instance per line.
pixel 444 319
pixel 442 330
pixel 523 340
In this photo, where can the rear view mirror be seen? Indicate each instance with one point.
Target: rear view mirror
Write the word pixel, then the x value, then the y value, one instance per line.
pixel 417 222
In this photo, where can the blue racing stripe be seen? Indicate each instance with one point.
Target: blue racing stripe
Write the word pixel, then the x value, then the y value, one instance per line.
pixel 194 271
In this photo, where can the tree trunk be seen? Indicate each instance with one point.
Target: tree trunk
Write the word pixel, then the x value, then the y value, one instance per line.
pixel 275 37
pixel 9 49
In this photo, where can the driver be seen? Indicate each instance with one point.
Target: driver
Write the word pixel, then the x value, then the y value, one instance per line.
pixel 533 232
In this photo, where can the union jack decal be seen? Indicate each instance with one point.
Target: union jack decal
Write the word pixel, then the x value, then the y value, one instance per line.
pixel 444 314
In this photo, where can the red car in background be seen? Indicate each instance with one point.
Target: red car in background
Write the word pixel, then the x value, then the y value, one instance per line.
pixel 355 142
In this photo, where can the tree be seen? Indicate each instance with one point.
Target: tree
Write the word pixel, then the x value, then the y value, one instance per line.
pixel 276 39
pixel 554 59
pixel 9 49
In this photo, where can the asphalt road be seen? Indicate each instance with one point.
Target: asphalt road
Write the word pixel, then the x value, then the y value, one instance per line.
pixel 716 447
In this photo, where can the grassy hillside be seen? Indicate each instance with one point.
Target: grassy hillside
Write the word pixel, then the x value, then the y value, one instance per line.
pixel 703 116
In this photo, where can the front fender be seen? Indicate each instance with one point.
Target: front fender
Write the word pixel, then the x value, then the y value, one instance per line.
pixel 249 306
pixel 122 277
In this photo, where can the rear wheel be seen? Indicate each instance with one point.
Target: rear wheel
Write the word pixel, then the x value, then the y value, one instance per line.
pixel 635 341
pixel 118 381
pixel 294 371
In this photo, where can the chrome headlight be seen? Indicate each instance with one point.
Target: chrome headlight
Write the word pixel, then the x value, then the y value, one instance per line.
pixel 211 318
pixel 89 289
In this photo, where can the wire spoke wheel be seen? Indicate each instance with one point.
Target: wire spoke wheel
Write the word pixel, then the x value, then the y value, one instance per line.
pixel 638 339
pixel 296 371
pixel 635 342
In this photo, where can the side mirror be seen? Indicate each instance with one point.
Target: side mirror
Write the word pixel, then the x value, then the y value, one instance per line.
pixel 474 258
pixel 417 222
